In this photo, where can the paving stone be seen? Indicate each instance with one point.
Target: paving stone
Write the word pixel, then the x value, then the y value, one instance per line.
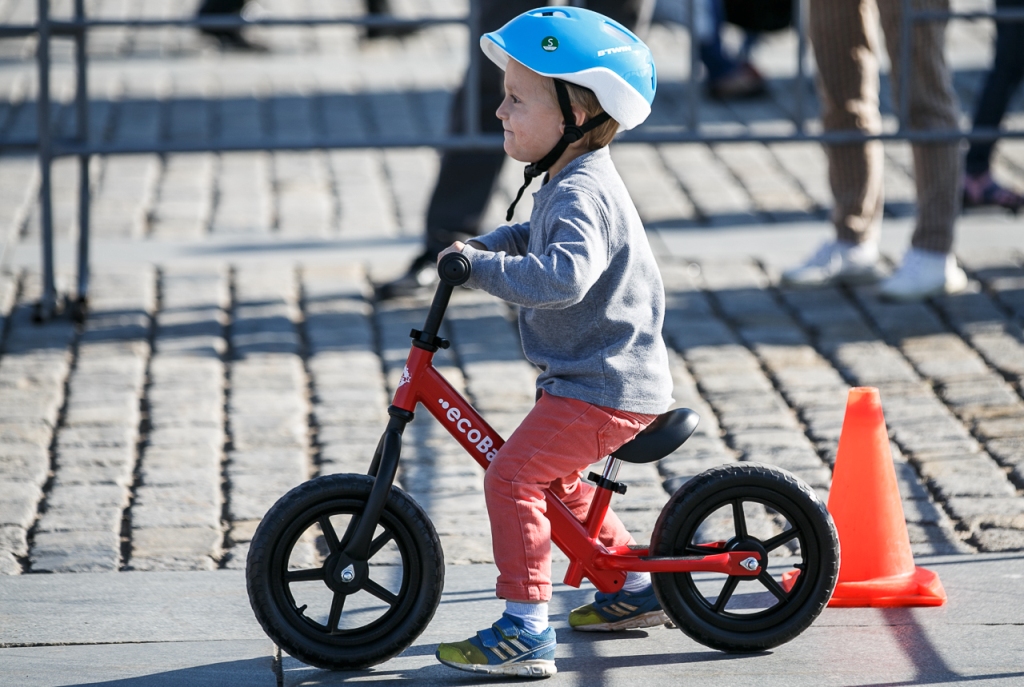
pixel 1007 451
pixel 267 461
pixel 909 483
pixel 80 517
pixel 9 565
pixel 76 551
pixel 253 495
pixel 999 428
pixel 120 476
pixel 932 540
pixel 97 437
pixel 18 507
pixel 13 541
pixel 999 539
pixel 23 463
pixel 121 458
pixel 993 511
pixel 176 506
pixel 179 475
pixel 241 531
pixel 175 548
pixel 87 495
pixel 967 478
pixel 199 438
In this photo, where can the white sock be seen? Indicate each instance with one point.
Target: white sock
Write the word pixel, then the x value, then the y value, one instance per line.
pixel 636 582
pixel 534 616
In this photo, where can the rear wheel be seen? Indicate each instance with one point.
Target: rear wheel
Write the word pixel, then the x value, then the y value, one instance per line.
pixel 321 621
pixel 747 507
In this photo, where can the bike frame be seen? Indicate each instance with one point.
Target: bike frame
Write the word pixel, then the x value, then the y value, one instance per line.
pixel 605 567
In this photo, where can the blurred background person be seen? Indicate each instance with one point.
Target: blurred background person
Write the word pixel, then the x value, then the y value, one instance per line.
pixel 843 35
pixel 980 189
pixel 727 75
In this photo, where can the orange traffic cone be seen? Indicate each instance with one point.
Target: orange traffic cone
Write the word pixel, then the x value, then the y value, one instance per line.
pixel 877 567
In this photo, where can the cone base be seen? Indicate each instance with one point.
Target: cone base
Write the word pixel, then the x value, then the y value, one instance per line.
pixel 919 588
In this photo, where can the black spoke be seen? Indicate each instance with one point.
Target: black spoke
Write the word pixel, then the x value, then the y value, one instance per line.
pixel 381 593
pixel 330 536
pixel 337 604
pixel 310 575
pixel 739 519
pixel 723 596
pixel 377 544
pixel 774 587
pixel 702 550
pixel 780 539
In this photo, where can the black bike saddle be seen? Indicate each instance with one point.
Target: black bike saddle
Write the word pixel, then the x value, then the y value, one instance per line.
pixel 660 438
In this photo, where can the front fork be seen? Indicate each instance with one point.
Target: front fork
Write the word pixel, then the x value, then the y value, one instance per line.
pixel 352 560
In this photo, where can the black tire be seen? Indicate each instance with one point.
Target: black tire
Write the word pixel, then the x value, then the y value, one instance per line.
pixel 792 531
pixel 290 596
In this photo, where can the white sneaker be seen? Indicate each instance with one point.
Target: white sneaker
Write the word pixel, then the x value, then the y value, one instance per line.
pixel 837 262
pixel 924 274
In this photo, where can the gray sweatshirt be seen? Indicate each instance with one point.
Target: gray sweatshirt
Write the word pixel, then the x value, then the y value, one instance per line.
pixel 591 296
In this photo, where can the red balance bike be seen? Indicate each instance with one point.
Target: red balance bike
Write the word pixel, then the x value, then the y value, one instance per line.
pixel 345 571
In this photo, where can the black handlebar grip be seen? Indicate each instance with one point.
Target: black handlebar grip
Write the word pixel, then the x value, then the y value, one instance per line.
pixel 454 269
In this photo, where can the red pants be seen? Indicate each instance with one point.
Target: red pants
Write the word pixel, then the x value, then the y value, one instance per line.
pixel 557 440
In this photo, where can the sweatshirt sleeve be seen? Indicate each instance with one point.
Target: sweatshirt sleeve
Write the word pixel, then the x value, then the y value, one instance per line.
pixel 574 257
pixel 512 239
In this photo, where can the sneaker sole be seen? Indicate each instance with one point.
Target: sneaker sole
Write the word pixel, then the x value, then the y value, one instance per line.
pixel 651 619
pixel 947 289
pixel 534 668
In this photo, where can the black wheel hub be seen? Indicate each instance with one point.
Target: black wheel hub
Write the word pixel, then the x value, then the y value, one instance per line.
pixel 751 545
pixel 344 575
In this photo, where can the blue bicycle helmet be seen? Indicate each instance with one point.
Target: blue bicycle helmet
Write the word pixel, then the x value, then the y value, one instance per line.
pixel 584 48
pixel 574 45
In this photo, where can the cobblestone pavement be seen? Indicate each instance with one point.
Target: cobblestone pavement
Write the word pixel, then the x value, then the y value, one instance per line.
pixel 155 435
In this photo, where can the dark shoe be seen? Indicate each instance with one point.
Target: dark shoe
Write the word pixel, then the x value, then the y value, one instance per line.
pixel 983 191
pixel 377 8
pixel 420 278
pixel 234 40
pixel 619 611
pixel 742 82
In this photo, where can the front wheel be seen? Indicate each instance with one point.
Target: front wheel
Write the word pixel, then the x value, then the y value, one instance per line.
pixel 324 623
pixel 747 507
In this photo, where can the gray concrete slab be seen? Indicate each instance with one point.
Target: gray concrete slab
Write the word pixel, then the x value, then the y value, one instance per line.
pixel 166 664
pixel 195 628
pixel 93 608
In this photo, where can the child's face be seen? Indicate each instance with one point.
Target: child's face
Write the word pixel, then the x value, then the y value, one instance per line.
pixel 529 113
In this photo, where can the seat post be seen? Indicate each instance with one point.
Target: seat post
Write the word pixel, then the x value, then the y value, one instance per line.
pixel 602 497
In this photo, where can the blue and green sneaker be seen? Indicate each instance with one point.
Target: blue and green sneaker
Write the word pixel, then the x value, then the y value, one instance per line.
pixel 505 648
pixel 619 611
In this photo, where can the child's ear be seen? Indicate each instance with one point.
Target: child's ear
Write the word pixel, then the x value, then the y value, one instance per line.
pixel 579 115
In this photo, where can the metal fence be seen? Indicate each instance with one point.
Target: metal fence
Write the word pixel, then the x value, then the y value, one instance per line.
pixel 78 26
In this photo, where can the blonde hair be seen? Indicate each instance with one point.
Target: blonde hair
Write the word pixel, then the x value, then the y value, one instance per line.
pixel 586 100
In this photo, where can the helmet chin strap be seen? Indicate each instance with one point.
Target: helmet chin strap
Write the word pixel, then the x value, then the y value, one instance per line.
pixel 571 134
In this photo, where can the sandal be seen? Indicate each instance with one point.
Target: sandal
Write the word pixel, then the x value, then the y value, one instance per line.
pixel 983 191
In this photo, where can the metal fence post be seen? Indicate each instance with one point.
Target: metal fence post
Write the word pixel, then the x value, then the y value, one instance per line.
pixel 799 19
pixel 472 102
pixel 82 134
pixel 692 95
pixel 906 36
pixel 48 304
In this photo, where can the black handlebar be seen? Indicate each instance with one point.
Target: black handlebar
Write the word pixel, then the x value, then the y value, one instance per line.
pixel 454 269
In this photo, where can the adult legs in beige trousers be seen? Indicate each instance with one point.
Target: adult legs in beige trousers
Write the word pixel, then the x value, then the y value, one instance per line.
pixel 843 35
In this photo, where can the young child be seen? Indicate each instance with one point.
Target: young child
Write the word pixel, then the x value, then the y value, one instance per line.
pixel 591 310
